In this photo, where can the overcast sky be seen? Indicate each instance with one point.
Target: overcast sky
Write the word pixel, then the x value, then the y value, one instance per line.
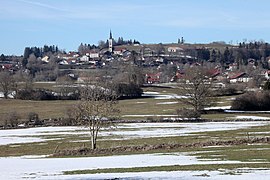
pixel 67 23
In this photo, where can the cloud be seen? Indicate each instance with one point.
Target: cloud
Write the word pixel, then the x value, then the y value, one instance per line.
pixel 43 5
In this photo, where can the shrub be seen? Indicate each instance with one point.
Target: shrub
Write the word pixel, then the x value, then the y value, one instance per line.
pixel 38 94
pixel 229 90
pixel 128 90
pixel 188 113
pixel 33 118
pixel 12 119
pixel 66 122
pixel 252 101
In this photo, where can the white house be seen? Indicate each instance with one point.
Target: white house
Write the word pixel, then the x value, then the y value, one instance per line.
pixel 239 78
pixel 84 58
pixel 267 74
pixel 45 59
pixel 174 49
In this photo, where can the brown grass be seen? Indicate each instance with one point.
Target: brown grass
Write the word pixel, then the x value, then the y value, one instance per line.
pixel 45 109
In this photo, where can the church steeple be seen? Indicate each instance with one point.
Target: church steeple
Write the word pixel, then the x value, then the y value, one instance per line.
pixel 110 34
pixel 111 42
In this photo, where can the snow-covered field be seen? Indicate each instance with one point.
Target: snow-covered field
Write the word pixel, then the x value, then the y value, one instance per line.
pixel 123 131
pixel 52 168
pixel 39 167
pixel 242 174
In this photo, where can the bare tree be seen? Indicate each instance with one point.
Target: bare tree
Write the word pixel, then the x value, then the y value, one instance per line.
pixel 66 86
pixel 24 80
pixel 96 109
pixel 196 86
pixel 130 74
pixel 6 83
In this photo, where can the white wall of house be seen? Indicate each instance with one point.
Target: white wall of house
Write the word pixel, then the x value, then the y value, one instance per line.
pixel 239 80
pixel 267 75
pixel 174 49
pixel 84 58
pixel 94 55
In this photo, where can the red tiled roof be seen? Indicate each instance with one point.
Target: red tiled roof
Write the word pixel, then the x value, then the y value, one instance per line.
pixel 238 75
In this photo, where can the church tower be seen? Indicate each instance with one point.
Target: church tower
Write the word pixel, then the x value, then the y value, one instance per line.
pixel 111 42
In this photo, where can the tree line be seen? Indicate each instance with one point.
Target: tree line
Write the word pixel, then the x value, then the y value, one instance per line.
pixel 40 51
pixel 256 50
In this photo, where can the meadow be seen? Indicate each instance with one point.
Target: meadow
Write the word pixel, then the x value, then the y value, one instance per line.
pixel 36 145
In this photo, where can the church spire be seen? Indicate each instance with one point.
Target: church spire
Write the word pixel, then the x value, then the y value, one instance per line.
pixel 110 34
pixel 111 42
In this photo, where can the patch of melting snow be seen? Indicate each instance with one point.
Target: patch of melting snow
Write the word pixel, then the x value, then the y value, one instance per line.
pixel 17 136
pixel 50 168
pixel 251 117
pixel 82 141
pixel 157 95
pixel 237 111
pixel 147 115
pixel 138 130
pixel 217 107
pixel 141 102
pixel 172 96
pixel 164 103
pixel 151 93
pixel 144 130
pixel 175 175
pixel 254 149
pixel 42 143
pixel 10 95
pixel 13 146
pixel 256 133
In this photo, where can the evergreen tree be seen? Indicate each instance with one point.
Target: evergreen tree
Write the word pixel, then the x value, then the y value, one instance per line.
pixel 226 55
pixel 2 57
pixel 267 85
pixel 213 57
pixel 27 52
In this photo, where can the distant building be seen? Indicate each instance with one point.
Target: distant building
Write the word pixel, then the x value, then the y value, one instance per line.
pixel 239 78
pixel 153 78
pixel 111 42
pixel 174 49
pixel 267 74
pixel 119 50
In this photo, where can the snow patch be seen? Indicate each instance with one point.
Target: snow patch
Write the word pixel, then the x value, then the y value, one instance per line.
pixel 217 107
pixel 164 103
pixel 125 131
pixel 252 117
pixel 50 168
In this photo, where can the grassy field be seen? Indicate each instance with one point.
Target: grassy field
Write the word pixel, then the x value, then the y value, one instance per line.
pixel 203 167
pixel 142 108
pixel 45 109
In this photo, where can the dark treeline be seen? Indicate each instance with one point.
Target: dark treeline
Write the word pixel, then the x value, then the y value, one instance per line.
pixel 121 41
pixel 259 51
pixel 40 51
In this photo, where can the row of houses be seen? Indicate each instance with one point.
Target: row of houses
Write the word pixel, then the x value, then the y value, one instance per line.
pixel 215 75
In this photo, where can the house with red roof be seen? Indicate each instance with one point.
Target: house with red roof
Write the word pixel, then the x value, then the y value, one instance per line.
pixel 239 77
pixel 119 50
pixel 153 78
pixel 267 74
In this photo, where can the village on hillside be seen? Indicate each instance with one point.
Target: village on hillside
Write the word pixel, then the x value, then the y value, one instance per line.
pixel 247 62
